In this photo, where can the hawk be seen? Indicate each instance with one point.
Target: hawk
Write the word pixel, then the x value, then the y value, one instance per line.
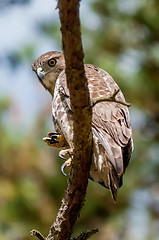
pixel 112 133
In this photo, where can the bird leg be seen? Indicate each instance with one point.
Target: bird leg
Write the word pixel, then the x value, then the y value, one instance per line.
pixel 68 162
pixel 55 139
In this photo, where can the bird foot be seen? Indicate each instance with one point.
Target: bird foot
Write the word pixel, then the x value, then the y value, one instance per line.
pixel 54 139
pixel 68 162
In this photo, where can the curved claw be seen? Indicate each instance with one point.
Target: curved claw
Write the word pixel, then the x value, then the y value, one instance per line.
pixel 63 168
pixel 50 140
pixel 62 156
pixel 51 134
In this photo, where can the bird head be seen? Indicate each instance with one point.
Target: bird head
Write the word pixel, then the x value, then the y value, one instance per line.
pixel 48 67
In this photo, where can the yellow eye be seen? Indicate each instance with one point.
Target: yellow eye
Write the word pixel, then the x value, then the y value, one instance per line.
pixel 52 62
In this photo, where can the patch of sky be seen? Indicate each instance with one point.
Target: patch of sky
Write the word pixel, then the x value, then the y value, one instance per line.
pixel 18 25
pixel 130 62
pixel 88 18
pixel 130 7
pixel 138 118
pixel 138 216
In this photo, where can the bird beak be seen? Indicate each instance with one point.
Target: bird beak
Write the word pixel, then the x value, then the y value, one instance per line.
pixel 40 72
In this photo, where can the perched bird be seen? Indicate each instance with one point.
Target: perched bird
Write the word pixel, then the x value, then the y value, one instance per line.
pixel 112 133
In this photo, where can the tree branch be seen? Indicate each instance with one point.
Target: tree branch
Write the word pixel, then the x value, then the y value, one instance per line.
pixel 37 234
pixel 74 196
pixel 110 99
pixel 85 235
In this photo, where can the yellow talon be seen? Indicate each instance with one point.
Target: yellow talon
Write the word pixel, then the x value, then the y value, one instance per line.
pixel 54 139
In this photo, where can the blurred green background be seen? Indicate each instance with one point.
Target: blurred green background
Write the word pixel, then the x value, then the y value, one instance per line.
pixel 120 36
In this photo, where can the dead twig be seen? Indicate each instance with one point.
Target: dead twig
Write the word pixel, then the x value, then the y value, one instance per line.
pixel 85 235
pixel 110 99
pixel 37 234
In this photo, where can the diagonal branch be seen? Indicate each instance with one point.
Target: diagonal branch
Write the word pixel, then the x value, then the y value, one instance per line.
pixel 85 235
pixel 74 196
pixel 73 199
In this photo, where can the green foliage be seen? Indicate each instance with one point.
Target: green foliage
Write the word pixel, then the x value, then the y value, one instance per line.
pixel 123 39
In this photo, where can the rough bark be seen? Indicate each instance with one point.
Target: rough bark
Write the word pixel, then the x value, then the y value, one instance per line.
pixel 72 47
pixel 74 196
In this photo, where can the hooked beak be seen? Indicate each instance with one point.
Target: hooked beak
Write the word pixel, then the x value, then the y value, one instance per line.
pixel 40 73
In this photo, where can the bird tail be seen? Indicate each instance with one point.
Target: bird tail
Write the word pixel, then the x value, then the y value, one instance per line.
pixel 114 163
pixel 114 182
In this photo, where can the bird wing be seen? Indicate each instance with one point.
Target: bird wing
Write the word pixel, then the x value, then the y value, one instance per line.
pixel 110 122
pixel 110 126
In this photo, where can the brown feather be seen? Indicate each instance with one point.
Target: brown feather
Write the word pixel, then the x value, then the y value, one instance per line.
pixel 112 134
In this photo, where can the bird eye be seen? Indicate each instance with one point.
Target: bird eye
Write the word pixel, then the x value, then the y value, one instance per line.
pixel 52 62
